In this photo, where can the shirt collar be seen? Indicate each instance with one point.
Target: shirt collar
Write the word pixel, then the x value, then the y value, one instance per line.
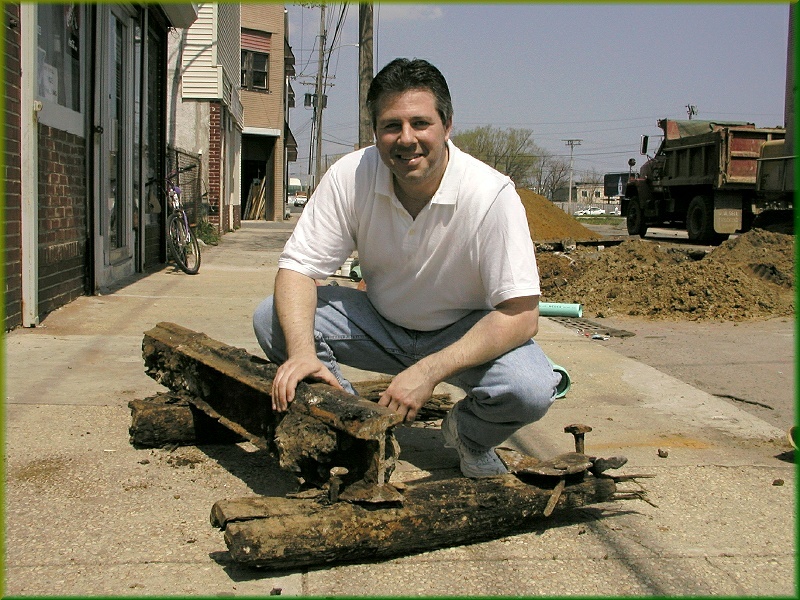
pixel 451 181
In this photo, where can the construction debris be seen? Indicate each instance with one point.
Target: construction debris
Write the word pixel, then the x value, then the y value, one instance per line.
pixel 281 533
pixel 323 428
pixel 747 278
pixel 170 419
pixel 343 450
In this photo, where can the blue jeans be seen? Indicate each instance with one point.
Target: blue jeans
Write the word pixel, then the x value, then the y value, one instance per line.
pixel 503 395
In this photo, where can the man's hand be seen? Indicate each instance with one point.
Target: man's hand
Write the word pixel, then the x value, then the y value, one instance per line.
pixel 293 371
pixel 512 323
pixel 408 392
pixel 295 303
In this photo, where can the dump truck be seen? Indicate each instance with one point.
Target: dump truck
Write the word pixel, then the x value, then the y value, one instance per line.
pixel 704 179
pixel 713 179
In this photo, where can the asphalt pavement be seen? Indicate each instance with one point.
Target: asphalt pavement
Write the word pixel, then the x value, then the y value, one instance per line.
pixel 87 514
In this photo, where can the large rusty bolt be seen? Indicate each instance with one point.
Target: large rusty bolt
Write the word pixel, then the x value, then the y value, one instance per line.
pixel 335 483
pixel 578 432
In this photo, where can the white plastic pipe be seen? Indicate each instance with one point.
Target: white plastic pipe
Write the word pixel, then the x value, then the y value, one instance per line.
pixel 560 309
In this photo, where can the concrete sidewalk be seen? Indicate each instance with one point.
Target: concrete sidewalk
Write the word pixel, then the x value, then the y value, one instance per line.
pixel 87 514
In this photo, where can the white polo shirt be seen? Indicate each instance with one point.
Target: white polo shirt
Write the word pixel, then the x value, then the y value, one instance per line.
pixel 469 248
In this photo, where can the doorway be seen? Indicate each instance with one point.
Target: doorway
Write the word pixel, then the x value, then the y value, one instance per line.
pixel 113 154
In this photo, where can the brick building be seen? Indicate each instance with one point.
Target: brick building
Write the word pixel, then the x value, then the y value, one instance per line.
pixel 85 122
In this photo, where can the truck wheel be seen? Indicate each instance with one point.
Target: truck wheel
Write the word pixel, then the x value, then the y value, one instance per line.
pixel 700 220
pixel 634 219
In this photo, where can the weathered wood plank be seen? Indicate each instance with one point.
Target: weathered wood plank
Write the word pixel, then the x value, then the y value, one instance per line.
pixel 233 387
pixel 235 383
pixel 435 408
pixel 357 514
pixel 169 419
pixel 280 533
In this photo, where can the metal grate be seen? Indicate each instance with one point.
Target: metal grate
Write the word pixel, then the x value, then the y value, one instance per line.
pixel 188 168
pixel 589 328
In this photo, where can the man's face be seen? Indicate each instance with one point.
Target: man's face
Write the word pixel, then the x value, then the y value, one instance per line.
pixel 411 140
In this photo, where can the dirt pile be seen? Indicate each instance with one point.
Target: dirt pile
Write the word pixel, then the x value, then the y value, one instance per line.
pixel 548 223
pixel 750 277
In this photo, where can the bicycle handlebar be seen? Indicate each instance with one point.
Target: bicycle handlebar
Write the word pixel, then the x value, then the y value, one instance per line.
pixel 181 170
pixel 169 177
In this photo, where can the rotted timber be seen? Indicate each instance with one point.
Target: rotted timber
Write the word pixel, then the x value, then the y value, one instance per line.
pixel 344 447
pixel 323 427
pixel 169 419
pixel 285 533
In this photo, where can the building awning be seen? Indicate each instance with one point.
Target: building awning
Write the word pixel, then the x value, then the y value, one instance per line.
pixel 180 15
pixel 261 131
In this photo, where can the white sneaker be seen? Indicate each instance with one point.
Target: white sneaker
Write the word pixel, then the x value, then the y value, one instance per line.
pixel 484 464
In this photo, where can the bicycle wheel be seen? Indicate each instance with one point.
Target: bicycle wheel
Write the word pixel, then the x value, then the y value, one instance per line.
pixel 183 244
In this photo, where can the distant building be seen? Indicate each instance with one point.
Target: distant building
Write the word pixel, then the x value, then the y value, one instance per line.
pixel 268 146
pixel 582 193
pixel 205 107
pixel 588 193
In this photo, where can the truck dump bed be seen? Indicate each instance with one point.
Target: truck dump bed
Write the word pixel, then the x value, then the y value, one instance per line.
pixel 721 155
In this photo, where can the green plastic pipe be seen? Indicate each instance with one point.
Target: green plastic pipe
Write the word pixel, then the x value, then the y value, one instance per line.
pixel 566 382
pixel 560 309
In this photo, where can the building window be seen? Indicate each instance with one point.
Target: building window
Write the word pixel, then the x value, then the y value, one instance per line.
pixel 59 54
pixel 255 71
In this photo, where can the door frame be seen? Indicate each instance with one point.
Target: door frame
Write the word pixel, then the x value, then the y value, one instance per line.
pixel 113 263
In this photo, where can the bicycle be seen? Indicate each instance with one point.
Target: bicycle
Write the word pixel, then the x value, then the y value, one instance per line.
pixel 181 240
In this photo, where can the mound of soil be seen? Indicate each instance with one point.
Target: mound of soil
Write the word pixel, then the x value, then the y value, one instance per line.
pixel 548 223
pixel 750 277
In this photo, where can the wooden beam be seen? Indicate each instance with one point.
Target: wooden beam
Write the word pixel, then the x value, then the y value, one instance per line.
pixel 169 419
pixel 233 387
pixel 281 533
pixel 344 446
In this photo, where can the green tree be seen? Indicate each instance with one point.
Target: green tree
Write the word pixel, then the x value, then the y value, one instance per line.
pixel 510 151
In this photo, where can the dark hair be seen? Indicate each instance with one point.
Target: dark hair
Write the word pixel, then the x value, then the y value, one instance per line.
pixel 402 75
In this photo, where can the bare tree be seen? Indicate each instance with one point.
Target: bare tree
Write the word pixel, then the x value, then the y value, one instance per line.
pixel 592 176
pixel 557 175
pixel 540 170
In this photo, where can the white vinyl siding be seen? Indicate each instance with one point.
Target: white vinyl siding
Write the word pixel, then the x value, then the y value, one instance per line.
pixel 210 63
pixel 229 31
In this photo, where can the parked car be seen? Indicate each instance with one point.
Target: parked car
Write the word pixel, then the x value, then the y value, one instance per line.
pixel 591 211
pixel 300 200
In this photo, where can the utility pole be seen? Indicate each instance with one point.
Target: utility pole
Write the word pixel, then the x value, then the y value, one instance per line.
pixel 365 72
pixel 571 144
pixel 789 101
pixel 320 95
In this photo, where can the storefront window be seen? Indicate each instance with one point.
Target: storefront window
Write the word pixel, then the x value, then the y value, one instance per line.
pixel 59 54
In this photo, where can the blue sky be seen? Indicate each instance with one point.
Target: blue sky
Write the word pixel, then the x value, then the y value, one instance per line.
pixel 602 73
